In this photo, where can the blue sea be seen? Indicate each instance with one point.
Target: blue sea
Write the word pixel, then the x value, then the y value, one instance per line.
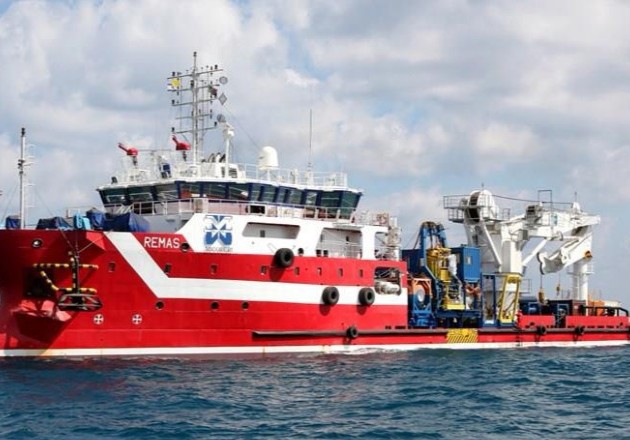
pixel 537 394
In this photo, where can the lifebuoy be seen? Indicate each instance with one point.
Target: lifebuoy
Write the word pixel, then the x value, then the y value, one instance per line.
pixel 352 332
pixel 366 296
pixel 330 296
pixel 541 330
pixel 579 330
pixel 283 257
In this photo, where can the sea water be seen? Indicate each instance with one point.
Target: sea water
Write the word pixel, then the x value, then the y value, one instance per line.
pixel 547 393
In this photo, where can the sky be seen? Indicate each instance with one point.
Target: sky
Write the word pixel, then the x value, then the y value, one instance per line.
pixel 415 100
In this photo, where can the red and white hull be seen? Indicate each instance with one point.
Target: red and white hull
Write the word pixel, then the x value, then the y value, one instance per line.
pixel 162 300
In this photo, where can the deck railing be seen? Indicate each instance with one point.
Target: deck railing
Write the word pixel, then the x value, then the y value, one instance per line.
pixel 202 205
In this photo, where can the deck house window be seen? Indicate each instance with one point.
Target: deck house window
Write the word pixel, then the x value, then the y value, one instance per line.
pixel 269 230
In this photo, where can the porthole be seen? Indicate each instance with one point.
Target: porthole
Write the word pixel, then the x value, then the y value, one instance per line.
pixel 37 243
pixel 185 247
pixel 214 305
pixel 245 305
pixel 159 305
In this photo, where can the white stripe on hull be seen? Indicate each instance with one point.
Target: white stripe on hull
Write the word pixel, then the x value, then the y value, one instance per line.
pixel 202 288
pixel 263 350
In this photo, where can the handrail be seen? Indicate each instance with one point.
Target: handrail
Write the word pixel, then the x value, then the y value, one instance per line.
pixel 167 165
pixel 203 205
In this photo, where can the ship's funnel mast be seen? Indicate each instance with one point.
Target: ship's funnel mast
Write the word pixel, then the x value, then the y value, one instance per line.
pixel 197 88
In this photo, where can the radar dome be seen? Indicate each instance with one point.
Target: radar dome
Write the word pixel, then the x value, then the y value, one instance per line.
pixel 268 159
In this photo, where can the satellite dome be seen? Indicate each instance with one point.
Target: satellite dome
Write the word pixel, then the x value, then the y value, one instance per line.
pixel 268 159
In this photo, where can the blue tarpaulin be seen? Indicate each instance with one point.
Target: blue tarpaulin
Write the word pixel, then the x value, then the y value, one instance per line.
pixel 12 222
pixel 97 218
pixel 128 222
pixel 53 223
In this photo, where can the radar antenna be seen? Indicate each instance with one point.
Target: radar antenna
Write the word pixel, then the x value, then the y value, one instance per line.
pixel 197 88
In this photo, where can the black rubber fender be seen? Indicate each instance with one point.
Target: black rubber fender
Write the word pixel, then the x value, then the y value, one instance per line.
pixel 579 330
pixel 366 296
pixel 283 257
pixel 330 296
pixel 541 330
pixel 352 332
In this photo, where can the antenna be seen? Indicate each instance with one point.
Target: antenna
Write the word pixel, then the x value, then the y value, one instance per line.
pixel 197 89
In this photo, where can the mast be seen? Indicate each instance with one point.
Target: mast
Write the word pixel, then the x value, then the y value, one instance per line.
pixel 195 109
pixel 197 88
pixel 21 169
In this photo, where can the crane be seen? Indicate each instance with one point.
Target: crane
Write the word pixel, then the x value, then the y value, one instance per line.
pixel 563 233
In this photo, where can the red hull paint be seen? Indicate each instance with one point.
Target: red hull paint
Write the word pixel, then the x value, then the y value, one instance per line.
pixel 31 323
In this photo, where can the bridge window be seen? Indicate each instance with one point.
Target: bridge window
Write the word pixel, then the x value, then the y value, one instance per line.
pixel 140 194
pixel 216 191
pixel 268 194
pixel 330 199
pixel 310 198
pixel 294 197
pixel 166 192
pixel 255 191
pixel 238 191
pixel 282 195
pixel 349 202
pixel 114 196
pixel 188 190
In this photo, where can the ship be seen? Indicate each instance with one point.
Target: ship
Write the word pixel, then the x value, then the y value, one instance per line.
pixel 193 253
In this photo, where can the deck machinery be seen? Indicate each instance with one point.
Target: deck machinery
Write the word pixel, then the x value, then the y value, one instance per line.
pixel 445 283
pixel 480 283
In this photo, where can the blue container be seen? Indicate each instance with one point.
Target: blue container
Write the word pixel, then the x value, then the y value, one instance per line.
pixel 468 263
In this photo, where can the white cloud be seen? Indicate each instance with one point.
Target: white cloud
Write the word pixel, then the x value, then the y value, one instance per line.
pixel 297 79
pixel 500 143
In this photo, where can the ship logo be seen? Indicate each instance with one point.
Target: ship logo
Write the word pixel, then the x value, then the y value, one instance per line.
pixel 218 232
